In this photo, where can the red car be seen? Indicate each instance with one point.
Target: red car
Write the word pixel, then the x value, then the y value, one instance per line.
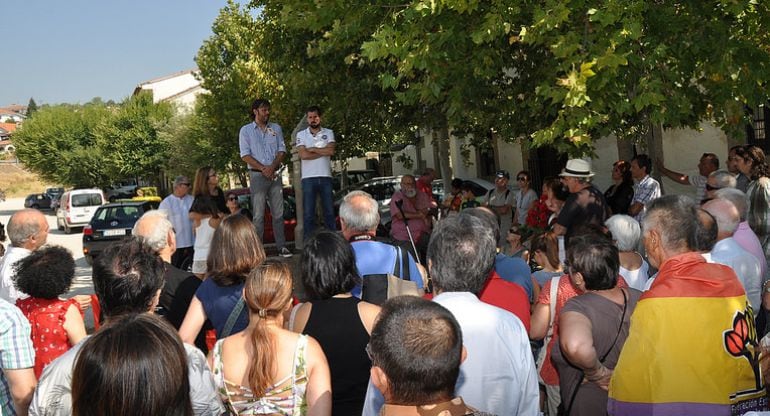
pixel 289 212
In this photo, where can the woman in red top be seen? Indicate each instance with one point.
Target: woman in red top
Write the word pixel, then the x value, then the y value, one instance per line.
pixel 56 324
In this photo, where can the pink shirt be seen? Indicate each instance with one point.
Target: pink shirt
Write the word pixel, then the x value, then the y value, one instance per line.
pixel 746 238
pixel 416 226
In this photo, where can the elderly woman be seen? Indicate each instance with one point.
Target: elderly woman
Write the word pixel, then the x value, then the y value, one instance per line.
pixel 594 325
pixel 620 194
pixel 339 321
pixel 233 207
pixel 626 232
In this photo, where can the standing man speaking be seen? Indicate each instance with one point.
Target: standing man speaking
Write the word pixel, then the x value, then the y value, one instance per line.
pixel 263 149
pixel 315 145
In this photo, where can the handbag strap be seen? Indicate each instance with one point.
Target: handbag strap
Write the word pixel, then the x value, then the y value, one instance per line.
pixel 236 312
pixel 401 265
pixel 552 308
pixel 601 360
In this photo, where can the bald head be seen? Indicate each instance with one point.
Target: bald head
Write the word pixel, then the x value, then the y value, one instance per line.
pixel 726 215
pixel 28 228
pixel 155 229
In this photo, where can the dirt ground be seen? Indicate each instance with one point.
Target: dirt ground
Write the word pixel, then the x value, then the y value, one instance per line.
pixel 18 183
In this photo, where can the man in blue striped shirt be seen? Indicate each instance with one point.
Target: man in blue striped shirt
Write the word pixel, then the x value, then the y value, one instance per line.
pixel 17 357
pixel 262 148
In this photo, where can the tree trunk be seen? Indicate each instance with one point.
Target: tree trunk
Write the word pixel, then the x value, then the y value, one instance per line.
pixel 441 136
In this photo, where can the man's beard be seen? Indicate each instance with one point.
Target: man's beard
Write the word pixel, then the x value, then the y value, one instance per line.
pixel 410 193
pixel 315 126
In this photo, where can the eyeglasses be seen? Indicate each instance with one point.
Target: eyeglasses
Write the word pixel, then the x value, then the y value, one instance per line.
pixel 521 178
pixel 232 198
pixel 185 183
pixel 712 188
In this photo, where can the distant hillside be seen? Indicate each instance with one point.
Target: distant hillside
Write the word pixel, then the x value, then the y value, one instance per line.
pixel 17 182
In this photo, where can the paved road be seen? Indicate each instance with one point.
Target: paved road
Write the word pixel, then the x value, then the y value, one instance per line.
pixel 73 242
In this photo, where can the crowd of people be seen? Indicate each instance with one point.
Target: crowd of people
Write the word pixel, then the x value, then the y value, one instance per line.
pixel 571 301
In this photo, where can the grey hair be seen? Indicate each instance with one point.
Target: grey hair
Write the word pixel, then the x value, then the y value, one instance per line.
pixel 180 179
pixel 625 231
pixel 675 219
pixel 157 239
pixel 362 216
pixel 724 178
pixel 725 213
pixel 22 226
pixel 737 197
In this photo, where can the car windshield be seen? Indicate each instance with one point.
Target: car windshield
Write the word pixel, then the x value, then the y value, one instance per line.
pixel 122 214
pixel 86 200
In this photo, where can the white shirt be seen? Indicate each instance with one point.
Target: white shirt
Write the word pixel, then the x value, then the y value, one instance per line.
pixel 179 214
pixel 7 289
pixel 320 167
pixel 498 376
pixel 636 279
pixel 745 265
pixel 53 394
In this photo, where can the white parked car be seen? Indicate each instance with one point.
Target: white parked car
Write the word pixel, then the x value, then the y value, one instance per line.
pixel 76 207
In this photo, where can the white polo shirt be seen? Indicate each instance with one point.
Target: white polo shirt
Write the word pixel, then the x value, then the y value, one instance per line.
pixel 322 166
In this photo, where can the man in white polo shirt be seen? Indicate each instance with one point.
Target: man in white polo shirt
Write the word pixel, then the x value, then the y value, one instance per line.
pixel 315 145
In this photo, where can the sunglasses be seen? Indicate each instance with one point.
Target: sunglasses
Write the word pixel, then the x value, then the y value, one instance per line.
pixel 521 178
pixel 232 198
pixel 712 188
pixel 185 183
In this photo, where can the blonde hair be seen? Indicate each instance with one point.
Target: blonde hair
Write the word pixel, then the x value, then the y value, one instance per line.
pixel 267 292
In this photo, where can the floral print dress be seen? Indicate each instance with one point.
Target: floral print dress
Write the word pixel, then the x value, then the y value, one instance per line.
pixel 288 400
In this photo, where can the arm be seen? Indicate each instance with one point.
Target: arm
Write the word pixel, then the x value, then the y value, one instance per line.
pixel 674 176
pixel 635 208
pixel 559 229
pixel 319 385
pixel 193 322
pixel 252 163
pixel 301 317
pixel 368 313
pixel 74 325
pixel 577 345
pixel 538 324
pixel 21 382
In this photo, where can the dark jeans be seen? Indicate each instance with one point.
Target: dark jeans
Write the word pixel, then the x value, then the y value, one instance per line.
pixel 311 189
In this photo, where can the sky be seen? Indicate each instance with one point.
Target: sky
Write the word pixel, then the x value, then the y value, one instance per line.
pixel 72 51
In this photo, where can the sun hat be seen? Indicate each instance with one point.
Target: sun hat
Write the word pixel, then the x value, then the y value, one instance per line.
pixel 577 168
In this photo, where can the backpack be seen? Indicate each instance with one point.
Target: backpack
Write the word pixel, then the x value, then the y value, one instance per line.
pixel 507 192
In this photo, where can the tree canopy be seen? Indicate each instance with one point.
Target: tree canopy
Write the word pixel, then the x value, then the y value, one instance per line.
pixel 93 144
pixel 563 73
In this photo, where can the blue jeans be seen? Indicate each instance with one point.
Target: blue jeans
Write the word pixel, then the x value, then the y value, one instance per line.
pixel 311 189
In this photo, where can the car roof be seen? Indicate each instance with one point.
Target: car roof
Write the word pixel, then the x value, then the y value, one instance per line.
pixel 124 204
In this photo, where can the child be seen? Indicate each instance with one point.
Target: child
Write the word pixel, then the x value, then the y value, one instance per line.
pixel 206 218
pixel 454 200
pixel 469 199
pixel 56 324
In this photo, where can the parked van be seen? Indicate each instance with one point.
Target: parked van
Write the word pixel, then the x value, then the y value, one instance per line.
pixel 76 207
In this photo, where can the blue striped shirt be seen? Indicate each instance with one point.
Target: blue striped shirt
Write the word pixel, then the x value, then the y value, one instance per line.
pixel 16 350
pixel 262 145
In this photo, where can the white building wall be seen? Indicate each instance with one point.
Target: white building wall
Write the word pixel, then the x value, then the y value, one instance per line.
pixel 509 156
pixel 606 154
pixel 171 86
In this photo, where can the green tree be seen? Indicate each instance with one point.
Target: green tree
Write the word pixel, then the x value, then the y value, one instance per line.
pixel 562 73
pixel 130 140
pixel 59 144
pixel 31 107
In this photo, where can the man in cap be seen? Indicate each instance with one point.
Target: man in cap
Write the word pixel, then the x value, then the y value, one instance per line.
pixel 501 200
pixel 585 205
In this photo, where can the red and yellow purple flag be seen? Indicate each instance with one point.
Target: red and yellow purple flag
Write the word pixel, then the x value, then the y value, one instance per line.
pixel 692 347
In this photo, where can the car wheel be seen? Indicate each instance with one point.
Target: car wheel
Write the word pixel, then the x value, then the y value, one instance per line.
pixel 67 229
pixel 58 224
pixel 89 259
pixel 35 206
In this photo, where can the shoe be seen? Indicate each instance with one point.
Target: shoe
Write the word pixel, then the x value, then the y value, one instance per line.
pixel 284 252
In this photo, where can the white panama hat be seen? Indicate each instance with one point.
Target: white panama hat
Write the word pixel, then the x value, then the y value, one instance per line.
pixel 577 168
